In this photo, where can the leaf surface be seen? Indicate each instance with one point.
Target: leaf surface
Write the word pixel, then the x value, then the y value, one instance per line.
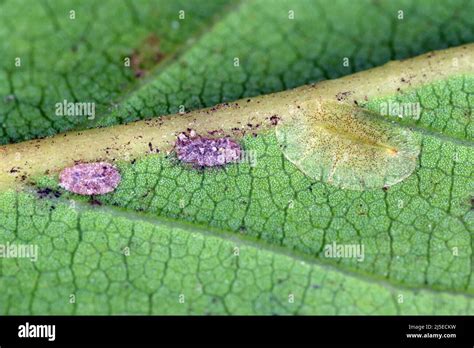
pixel 191 62
pixel 251 237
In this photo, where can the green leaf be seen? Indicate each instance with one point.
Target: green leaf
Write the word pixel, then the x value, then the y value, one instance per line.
pixel 416 234
pixel 178 268
pixel 260 236
pixel 83 59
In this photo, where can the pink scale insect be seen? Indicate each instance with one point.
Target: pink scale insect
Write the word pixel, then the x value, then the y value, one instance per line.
pixel 99 178
pixel 206 152
pixel 90 178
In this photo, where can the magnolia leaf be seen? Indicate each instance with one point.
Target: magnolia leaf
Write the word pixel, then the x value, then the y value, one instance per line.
pixel 352 195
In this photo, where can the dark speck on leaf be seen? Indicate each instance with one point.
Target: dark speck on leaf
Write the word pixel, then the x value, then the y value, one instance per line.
pixel 48 193
pixel 95 202
pixel 274 120
pixel 213 132
pixel 342 95
pixel 146 56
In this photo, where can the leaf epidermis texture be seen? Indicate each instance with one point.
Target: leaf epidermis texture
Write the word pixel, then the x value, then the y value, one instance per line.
pixel 419 221
pixel 417 233
pixel 83 59
pixel 174 268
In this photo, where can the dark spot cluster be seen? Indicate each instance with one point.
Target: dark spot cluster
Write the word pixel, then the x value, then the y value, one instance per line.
pixel 152 149
pixel 274 120
pixel 48 193
pixel 219 106
pixel 342 95
pixel 146 56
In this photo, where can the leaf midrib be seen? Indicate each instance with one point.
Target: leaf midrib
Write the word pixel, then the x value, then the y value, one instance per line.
pixel 132 140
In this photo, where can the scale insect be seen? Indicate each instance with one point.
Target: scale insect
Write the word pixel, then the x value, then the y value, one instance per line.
pixel 347 146
pixel 206 152
pixel 90 178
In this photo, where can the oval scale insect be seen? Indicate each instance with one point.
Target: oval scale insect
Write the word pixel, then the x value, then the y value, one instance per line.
pixel 90 178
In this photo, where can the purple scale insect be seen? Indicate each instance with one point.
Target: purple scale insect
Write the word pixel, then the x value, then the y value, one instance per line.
pixel 90 178
pixel 206 152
